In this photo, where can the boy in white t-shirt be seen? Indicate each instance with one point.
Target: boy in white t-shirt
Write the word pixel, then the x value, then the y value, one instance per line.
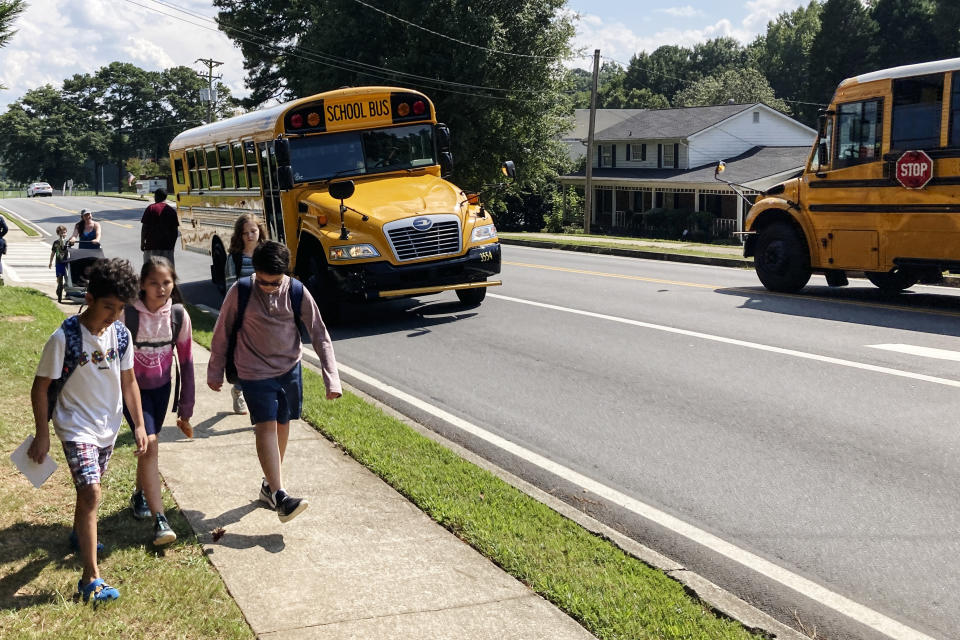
pixel 89 407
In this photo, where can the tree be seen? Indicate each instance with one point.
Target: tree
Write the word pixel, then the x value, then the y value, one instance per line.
pixel 665 71
pixel 519 116
pixel 903 29
pixel 739 85
pixel 946 28
pixel 842 48
pixel 783 55
pixel 9 11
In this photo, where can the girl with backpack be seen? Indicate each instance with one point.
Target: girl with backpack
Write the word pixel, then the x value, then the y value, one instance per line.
pixel 158 326
pixel 248 234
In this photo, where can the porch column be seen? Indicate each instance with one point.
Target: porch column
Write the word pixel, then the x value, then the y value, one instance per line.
pixel 739 213
pixel 696 199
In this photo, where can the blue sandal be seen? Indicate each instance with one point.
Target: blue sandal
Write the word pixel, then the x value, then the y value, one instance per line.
pixel 99 589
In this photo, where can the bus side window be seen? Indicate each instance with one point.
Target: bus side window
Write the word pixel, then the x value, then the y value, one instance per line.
pixel 955 110
pixel 178 171
pixel 192 169
pixel 213 171
pixel 917 104
pixel 239 165
pixel 250 153
pixel 859 128
pixel 226 166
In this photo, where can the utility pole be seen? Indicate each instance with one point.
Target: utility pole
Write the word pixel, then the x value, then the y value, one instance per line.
pixel 210 63
pixel 588 186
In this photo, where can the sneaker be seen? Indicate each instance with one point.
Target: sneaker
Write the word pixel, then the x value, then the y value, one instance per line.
pixel 139 506
pixel 162 533
pixel 239 404
pixel 266 496
pixel 289 507
pixel 75 542
pixel 98 590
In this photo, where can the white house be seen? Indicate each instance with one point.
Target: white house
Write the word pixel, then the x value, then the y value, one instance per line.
pixel 664 158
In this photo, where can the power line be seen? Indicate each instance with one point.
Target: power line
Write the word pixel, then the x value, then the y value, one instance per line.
pixel 441 35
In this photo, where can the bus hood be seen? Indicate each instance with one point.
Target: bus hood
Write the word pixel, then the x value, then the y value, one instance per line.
pixel 394 197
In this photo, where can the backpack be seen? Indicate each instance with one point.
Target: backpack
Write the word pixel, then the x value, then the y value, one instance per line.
pixel 72 354
pixel 244 285
pixel 131 318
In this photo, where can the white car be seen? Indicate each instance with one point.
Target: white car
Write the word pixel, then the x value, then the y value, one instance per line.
pixel 39 189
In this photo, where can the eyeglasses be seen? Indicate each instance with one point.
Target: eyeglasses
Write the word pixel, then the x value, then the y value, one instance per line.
pixel 269 284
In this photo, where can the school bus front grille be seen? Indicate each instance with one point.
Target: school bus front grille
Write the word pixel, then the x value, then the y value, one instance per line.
pixel 441 239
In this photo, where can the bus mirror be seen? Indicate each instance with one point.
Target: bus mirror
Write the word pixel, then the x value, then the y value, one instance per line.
pixel 443 137
pixel 822 154
pixel 285 178
pixel 509 169
pixel 446 163
pixel 822 124
pixel 281 148
pixel 341 190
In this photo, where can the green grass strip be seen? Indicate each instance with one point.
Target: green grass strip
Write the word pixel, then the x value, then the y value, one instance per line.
pixel 169 593
pixel 611 593
pixel 30 231
pixel 634 244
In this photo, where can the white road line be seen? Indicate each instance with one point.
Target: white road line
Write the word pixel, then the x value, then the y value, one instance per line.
pixel 27 262
pixel 740 343
pixel 927 352
pixel 862 614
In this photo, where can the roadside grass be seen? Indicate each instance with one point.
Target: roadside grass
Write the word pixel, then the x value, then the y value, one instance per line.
pixel 172 593
pixel 30 231
pixel 636 244
pixel 612 594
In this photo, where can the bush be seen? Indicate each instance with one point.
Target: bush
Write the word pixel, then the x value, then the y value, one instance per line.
pixel 671 223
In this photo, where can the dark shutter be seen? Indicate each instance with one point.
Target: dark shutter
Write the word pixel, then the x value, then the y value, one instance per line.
pixel 676 155
pixel 643 151
pixel 613 155
pixel 659 156
pixel 599 154
pixel 628 152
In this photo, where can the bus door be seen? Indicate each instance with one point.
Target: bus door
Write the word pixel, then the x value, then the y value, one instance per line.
pixel 272 205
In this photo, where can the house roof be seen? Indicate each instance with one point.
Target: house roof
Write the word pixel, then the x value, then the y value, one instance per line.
pixel 758 168
pixel 683 122
pixel 606 118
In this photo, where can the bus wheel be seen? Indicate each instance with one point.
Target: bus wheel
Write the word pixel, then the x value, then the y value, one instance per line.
pixel 781 259
pixel 218 268
pixel 312 271
pixel 892 281
pixel 472 297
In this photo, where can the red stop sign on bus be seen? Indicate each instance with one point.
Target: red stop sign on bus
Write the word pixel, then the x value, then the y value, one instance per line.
pixel 914 169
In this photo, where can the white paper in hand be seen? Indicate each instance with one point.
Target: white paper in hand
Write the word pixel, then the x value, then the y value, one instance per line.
pixel 36 473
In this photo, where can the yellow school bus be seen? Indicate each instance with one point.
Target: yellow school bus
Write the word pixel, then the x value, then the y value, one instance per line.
pixel 353 181
pixel 880 193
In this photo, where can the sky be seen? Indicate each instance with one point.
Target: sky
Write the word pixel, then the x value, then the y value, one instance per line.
pixel 59 38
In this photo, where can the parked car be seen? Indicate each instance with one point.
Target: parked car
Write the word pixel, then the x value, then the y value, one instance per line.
pixel 39 189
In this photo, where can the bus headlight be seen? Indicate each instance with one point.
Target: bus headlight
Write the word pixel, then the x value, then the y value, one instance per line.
pixel 354 252
pixel 485 232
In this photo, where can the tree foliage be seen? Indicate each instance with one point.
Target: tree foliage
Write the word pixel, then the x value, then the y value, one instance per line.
pixel 9 11
pixel 333 43
pixel 739 86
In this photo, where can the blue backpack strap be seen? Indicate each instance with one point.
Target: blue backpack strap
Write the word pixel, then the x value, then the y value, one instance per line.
pixel 122 338
pixel 72 352
pixel 296 301
pixel 244 286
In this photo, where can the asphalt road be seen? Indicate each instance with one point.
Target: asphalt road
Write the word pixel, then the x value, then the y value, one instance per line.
pixel 774 424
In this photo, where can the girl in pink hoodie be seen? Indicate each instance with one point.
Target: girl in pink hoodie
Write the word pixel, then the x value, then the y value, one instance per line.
pixel 155 315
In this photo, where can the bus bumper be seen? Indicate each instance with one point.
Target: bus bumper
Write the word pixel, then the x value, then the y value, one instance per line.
pixel 378 280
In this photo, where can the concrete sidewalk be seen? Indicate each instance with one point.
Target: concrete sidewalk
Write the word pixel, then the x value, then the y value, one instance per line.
pixel 360 562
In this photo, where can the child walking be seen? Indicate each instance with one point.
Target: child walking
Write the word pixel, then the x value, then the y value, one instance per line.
pixel 152 321
pixel 86 417
pixel 267 359
pixel 248 234
pixel 58 251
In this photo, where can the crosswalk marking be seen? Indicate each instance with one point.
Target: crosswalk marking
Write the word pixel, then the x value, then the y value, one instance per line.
pixel 27 262
pixel 927 352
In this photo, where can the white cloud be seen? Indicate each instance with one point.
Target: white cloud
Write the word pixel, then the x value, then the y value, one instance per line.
pixel 59 38
pixel 681 12
pixel 763 11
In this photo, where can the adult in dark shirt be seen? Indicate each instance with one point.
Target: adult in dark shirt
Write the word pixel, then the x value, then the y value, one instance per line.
pixel 159 228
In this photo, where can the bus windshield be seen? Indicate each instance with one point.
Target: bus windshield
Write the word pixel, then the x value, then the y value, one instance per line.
pixel 360 152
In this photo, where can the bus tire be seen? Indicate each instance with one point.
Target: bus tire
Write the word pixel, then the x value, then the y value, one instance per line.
pixel 312 271
pixel 893 281
pixel 472 297
pixel 218 266
pixel 781 260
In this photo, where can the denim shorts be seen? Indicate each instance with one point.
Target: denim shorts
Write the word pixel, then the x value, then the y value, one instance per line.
pixel 279 398
pixel 87 462
pixel 154 404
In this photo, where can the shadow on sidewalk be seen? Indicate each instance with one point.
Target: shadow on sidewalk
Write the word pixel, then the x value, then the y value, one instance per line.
pixel 270 542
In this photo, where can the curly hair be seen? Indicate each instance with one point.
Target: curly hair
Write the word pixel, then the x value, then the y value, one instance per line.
pixel 113 277
pixel 236 240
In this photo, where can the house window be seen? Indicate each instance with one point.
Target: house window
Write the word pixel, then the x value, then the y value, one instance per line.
pixel 636 151
pixel 916 112
pixel 669 159
pixel 606 155
pixel 756 117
